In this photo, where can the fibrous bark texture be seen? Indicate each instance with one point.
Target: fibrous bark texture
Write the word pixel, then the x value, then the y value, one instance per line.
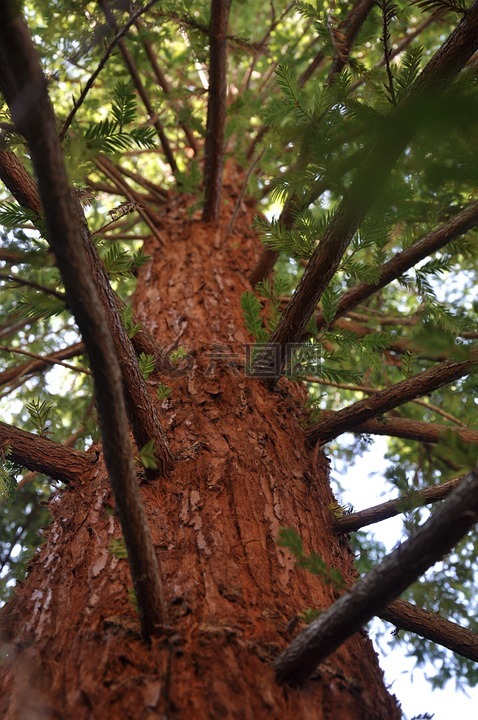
pixel 243 470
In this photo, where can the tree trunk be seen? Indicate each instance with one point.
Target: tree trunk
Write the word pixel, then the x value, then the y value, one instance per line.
pixel 243 470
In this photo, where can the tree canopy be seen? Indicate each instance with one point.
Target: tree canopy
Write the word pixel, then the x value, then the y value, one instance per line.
pixel 351 127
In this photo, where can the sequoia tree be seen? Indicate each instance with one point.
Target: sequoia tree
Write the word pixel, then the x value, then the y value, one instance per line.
pixel 226 225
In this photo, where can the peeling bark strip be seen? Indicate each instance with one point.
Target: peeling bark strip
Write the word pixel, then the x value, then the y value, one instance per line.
pixel 392 508
pixel 432 626
pixel 33 115
pixel 216 109
pixel 42 455
pixel 463 221
pixel 371 175
pixel 369 595
pixel 347 419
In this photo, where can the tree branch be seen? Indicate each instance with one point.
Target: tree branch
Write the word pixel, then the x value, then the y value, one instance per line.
pixel 432 626
pixel 141 90
pixel 23 188
pixel 381 402
pixel 39 363
pixel 33 115
pixel 370 178
pixel 42 455
pixel 165 85
pixel 463 221
pixel 349 27
pixel 414 430
pixel 10 277
pixel 91 80
pixel 392 508
pixel 216 110
pixel 431 542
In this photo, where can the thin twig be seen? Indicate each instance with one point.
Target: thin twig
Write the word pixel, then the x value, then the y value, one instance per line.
pixel 30 283
pixel 392 508
pixel 44 359
pixel 91 80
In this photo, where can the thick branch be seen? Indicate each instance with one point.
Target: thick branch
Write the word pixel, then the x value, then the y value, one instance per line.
pixel 33 115
pixel 42 455
pixel 431 542
pixel 414 430
pixel 463 221
pixel 370 178
pixel 402 392
pixel 432 626
pixel 216 109
pixel 392 508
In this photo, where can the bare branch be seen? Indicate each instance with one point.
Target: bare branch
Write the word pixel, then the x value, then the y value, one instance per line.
pixel 33 115
pixel 42 455
pixel 165 86
pixel 402 392
pixel 141 90
pixel 40 363
pixel 10 277
pixel 432 626
pixel 414 430
pixel 370 177
pixel 431 542
pixel 216 110
pixel 91 80
pixel 463 221
pixel 392 508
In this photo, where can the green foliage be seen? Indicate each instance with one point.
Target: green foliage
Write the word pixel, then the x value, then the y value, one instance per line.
pixel 176 356
pixel 147 456
pixel 251 311
pixel 163 392
pixel 313 563
pixel 128 321
pixel 117 548
pixel 147 364
pixel 111 135
pixel 40 414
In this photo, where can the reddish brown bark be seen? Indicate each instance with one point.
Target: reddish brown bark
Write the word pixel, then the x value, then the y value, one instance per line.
pixel 243 470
